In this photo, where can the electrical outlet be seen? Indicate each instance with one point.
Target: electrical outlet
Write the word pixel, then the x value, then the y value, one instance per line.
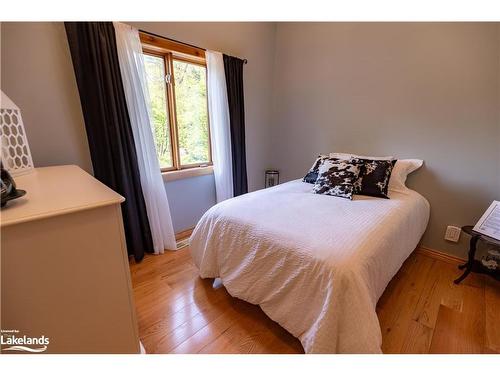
pixel 452 233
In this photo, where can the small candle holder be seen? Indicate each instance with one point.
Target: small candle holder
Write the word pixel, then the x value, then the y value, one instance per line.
pixel 272 178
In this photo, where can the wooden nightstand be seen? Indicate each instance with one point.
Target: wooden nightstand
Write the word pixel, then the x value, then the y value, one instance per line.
pixel 472 264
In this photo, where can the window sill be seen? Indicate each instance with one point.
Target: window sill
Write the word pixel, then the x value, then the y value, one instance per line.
pixel 187 173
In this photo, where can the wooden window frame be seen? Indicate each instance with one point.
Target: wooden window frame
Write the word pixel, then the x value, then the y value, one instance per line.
pixel 170 51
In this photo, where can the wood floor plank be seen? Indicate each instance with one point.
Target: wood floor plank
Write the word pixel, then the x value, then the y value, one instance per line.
pixel 157 265
pixel 439 289
pixel 171 325
pixel 245 336
pixel 421 311
pixel 396 316
pixel 219 336
pixel 461 331
pixel 447 325
pixel 191 326
pixel 418 339
pixel 207 334
pixel 492 315
pixel 396 282
pixel 156 305
pixel 427 307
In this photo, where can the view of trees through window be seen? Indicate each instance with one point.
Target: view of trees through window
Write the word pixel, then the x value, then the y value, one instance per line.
pixel 155 73
pixel 191 112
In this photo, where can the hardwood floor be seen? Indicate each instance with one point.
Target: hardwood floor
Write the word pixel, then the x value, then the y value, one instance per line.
pixel 421 311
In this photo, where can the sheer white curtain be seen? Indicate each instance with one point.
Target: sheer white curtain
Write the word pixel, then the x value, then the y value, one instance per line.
pixel 136 93
pixel 218 110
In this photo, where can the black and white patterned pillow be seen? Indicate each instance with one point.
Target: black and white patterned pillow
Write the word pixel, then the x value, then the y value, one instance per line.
pixel 312 175
pixel 337 177
pixel 374 178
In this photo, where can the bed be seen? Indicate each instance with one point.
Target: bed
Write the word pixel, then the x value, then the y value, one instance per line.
pixel 316 264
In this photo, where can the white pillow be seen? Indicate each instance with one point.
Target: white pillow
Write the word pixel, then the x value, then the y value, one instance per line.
pixel 341 155
pixel 400 171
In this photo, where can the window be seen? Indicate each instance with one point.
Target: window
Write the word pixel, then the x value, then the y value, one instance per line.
pixel 177 82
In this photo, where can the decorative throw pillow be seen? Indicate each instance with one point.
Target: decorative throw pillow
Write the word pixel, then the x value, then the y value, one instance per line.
pixel 343 155
pixel 337 177
pixel 312 175
pixel 374 178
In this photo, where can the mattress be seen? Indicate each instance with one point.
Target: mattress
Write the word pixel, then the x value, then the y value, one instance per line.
pixel 316 264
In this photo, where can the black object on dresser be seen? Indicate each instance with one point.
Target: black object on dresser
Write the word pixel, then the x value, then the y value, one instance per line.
pixel 472 264
pixel 8 187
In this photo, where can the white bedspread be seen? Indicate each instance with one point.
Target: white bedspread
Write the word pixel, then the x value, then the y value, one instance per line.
pixel 316 264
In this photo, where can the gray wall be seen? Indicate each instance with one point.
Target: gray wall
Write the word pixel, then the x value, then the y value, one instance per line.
pixel 37 74
pixel 189 199
pixel 412 90
pixel 421 90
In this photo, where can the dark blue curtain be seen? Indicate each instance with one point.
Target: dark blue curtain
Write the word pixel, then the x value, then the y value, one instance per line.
pixel 233 69
pixel 97 71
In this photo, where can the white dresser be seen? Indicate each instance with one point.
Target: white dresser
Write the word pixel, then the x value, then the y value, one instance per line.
pixel 64 265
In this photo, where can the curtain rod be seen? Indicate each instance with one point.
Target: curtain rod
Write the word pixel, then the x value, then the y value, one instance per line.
pixel 245 61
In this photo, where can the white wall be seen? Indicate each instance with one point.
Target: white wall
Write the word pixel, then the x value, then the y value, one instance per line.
pixel 421 90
